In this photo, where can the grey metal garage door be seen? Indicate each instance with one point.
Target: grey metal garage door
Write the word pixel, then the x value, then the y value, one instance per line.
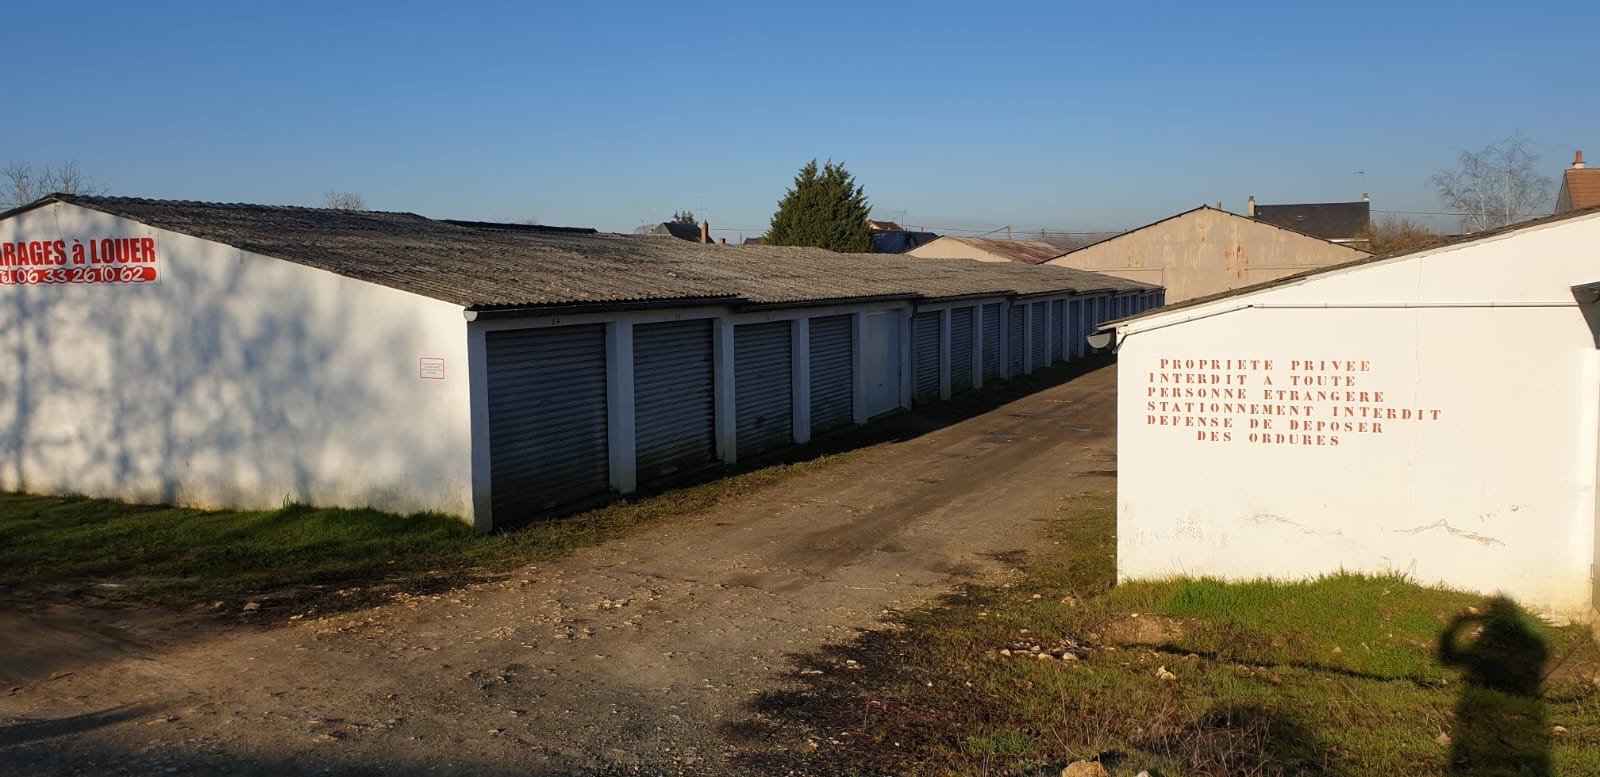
pixel 547 418
pixel 1069 330
pixel 673 399
pixel 1015 325
pixel 832 370
pixel 1058 330
pixel 763 386
pixel 992 332
pixel 1041 334
pixel 960 349
pixel 1081 320
pixel 881 362
pixel 925 357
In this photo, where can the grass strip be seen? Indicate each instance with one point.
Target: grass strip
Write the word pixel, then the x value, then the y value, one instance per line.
pixel 309 557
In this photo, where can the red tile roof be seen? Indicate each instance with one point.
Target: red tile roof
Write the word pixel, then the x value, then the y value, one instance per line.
pixel 1580 188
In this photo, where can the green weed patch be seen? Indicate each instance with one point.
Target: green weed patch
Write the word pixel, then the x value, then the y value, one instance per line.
pixel 1335 676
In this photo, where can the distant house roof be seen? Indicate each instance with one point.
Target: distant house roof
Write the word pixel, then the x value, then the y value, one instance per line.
pixel 1024 251
pixel 884 226
pixel 677 229
pixel 493 267
pixel 900 242
pixel 1580 186
pixel 1336 221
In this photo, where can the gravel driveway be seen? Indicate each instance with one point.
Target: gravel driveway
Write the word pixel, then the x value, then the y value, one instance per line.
pixel 629 656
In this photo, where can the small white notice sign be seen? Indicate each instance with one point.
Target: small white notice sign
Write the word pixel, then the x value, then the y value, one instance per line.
pixel 430 368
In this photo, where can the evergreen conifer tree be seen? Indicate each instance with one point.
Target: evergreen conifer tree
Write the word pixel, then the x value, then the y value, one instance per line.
pixel 825 209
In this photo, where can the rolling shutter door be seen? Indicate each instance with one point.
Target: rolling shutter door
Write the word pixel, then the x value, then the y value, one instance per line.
pixel 763 386
pixel 1014 341
pixel 1041 334
pixel 992 332
pixel 925 357
pixel 1084 329
pixel 1058 335
pixel 547 418
pixel 1069 331
pixel 673 398
pixel 961 349
pixel 882 362
pixel 832 372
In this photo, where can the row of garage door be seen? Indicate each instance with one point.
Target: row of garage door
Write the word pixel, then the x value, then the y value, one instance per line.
pixel 550 417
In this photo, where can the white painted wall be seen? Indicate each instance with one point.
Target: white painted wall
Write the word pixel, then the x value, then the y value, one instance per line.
pixel 237 380
pixel 1493 490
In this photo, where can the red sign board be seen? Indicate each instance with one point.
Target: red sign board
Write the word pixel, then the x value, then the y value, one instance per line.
pixel 78 260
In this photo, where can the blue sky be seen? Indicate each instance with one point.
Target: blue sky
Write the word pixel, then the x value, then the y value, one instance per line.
pixel 1064 116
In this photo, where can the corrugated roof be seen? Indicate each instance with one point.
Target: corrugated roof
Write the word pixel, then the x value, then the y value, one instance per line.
pixel 485 268
pixel 1024 251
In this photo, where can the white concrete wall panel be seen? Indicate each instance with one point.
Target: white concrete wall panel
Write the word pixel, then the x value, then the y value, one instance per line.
pixel 1455 441
pixel 235 380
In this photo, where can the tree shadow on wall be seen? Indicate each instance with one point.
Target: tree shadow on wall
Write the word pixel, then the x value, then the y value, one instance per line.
pixel 1499 726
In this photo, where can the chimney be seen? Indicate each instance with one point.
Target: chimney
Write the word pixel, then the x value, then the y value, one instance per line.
pixel 1577 161
pixel 705 231
pixel 1250 206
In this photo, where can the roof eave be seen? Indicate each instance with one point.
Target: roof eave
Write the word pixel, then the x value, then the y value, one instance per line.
pixel 515 310
pixel 39 203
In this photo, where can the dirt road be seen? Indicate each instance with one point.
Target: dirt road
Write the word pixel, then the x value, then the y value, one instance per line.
pixel 630 656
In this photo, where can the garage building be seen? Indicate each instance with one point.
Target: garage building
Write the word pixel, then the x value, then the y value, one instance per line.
pixel 1434 413
pixel 246 355
pixel 1206 251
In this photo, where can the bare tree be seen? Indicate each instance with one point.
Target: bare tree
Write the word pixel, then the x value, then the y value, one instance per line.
pixel 1396 233
pixel 337 200
pixel 1495 186
pixel 21 184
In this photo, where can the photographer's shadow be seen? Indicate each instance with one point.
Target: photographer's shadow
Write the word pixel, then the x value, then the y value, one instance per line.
pixel 1500 727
